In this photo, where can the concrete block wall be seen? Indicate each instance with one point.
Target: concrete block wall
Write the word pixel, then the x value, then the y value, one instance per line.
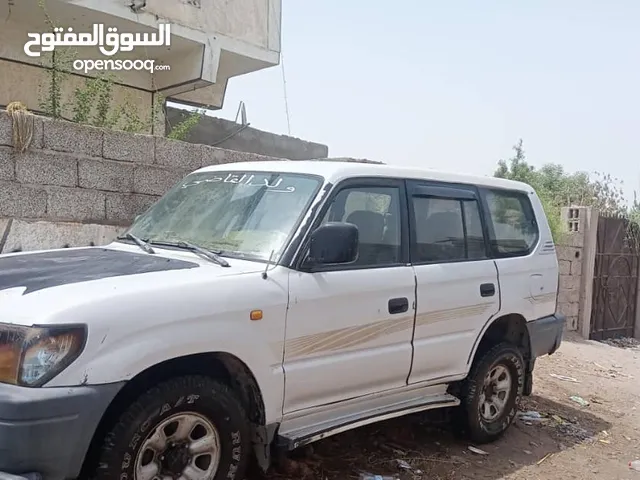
pixel 230 135
pixel 570 264
pixel 79 185
pixel 576 257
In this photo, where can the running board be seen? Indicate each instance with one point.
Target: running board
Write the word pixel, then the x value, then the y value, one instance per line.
pixel 296 438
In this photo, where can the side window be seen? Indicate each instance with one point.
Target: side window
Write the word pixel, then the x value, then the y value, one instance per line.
pixel 447 229
pixel 376 213
pixel 513 227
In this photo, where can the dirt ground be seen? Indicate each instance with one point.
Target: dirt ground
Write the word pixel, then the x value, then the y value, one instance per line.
pixel 572 441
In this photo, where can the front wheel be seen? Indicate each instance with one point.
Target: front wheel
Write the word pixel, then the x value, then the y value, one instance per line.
pixel 491 394
pixel 187 428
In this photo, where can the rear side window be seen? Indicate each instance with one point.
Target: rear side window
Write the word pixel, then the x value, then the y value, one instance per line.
pixel 447 230
pixel 513 230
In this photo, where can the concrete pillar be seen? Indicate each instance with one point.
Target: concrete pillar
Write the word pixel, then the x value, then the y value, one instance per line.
pixel 591 216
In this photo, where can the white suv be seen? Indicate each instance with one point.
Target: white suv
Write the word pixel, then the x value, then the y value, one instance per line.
pixel 264 306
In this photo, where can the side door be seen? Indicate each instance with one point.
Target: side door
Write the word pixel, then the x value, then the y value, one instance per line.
pixel 526 260
pixel 457 281
pixel 349 327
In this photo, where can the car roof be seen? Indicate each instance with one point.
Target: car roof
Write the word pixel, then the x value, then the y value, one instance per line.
pixel 336 170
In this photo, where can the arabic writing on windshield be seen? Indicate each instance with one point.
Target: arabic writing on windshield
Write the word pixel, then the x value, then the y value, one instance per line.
pixel 247 180
pixel 249 214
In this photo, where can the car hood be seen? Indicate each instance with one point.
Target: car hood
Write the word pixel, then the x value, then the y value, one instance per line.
pixel 56 279
pixel 31 272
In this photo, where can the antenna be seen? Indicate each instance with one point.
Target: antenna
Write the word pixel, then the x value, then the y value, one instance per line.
pixel 242 112
pixel 264 274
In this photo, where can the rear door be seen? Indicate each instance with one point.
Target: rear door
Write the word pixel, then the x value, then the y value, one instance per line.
pixel 457 281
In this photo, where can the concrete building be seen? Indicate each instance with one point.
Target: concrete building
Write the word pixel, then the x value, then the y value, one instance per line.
pixel 211 42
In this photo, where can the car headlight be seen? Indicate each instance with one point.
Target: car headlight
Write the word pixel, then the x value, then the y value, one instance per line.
pixel 31 356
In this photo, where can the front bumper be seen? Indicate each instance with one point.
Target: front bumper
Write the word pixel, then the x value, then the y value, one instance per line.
pixel 48 430
pixel 545 334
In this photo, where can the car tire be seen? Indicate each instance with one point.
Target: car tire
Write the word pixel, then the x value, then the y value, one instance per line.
pixel 158 429
pixel 491 394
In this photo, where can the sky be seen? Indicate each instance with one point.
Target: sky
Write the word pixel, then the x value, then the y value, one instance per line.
pixel 453 85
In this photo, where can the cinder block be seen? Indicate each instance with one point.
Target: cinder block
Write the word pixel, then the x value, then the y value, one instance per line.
pixel 17 200
pixel 232 156
pixel 151 180
pixel 38 132
pixel 43 168
pixel 568 253
pixel 572 323
pixel 128 147
pixel 569 309
pixel 569 282
pixel 173 153
pixel 106 175
pixel 568 296
pixel 7 164
pixel 576 266
pixel 76 204
pixel 6 132
pixel 213 156
pixel 70 137
pixel 564 267
pixel 574 239
pixel 122 209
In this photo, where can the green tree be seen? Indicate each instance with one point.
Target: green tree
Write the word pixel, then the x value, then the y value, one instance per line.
pixel 558 188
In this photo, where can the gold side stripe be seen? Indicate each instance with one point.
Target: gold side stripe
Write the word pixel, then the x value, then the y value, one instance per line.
pixel 349 337
pixel 547 297
pixel 344 338
pixel 451 314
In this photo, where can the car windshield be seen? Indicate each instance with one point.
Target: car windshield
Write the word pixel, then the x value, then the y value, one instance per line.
pixel 241 214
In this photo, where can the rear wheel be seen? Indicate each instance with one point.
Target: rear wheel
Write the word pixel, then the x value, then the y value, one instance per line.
pixel 491 394
pixel 187 428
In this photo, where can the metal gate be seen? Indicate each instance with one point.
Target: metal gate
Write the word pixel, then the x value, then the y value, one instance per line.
pixel 615 281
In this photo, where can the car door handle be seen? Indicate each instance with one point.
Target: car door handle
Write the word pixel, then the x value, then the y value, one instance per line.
pixel 487 289
pixel 398 305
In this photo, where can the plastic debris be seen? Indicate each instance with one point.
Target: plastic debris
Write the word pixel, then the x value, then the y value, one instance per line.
pixel 635 465
pixel 403 464
pixel 371 476
pixel 544 458
pixel 565 378
pixel 579 400
pixel 477 450
pixel 531 416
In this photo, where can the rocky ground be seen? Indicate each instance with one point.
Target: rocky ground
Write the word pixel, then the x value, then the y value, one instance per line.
pixel 582 422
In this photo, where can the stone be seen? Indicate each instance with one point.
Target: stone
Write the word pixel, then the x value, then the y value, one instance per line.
pixel 17 200
pixel 129 147
pixel 7 164
pixel 122 209
pixel 76 204
pixel 73 138
pixel 173 153
pixel 44 168
pixel 107 175
pixel 152 180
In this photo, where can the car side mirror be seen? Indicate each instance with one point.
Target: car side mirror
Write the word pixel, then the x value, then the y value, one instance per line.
pixel 333 243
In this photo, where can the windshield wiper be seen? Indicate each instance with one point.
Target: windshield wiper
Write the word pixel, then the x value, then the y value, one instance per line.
pixel 211 255
pixel 141 243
